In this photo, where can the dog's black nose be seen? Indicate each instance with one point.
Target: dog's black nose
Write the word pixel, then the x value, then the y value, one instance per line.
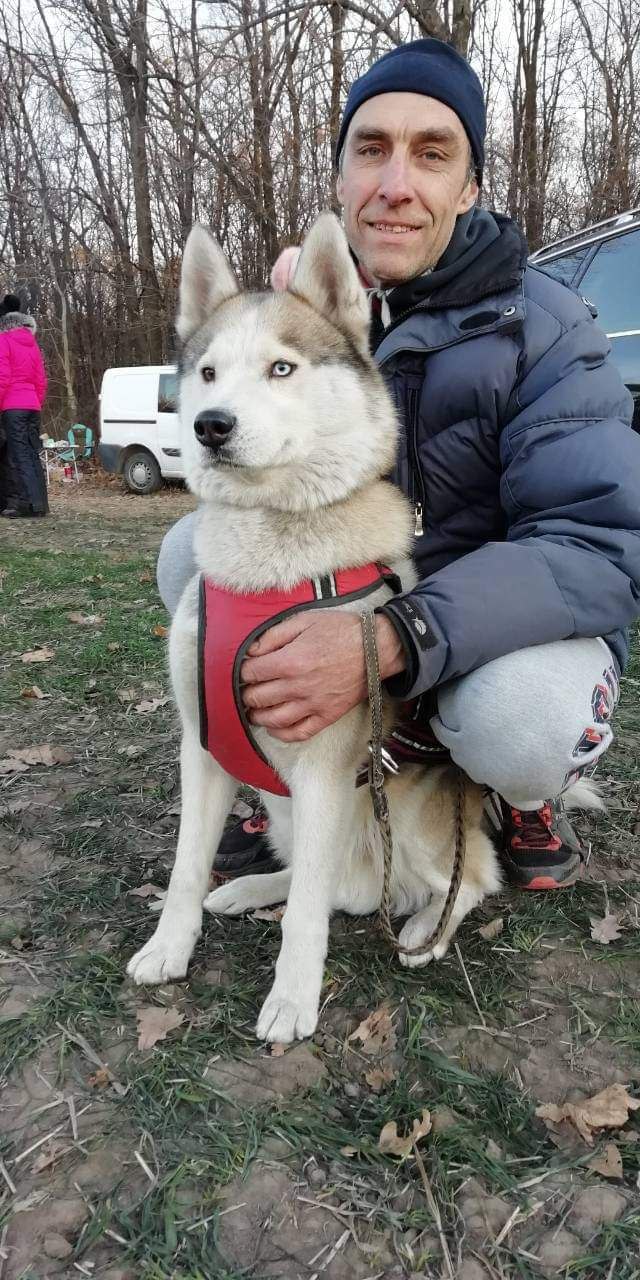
pixel 213 427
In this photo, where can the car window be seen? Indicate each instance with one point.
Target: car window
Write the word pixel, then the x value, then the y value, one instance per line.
pixel 565 267
pixel 612 283
pixel 168 393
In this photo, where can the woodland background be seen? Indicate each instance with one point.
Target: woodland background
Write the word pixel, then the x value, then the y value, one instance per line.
pixel 124 121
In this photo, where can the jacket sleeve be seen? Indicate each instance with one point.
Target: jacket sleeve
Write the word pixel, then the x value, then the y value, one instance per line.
pixel 40 377
pixel 5 370
pixel 570 491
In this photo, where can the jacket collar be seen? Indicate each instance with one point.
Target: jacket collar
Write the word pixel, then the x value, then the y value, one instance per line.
pixel 485 295
pixel 16 320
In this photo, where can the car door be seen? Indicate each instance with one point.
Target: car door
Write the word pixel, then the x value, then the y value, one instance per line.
pixel 611 281
pixel 168 430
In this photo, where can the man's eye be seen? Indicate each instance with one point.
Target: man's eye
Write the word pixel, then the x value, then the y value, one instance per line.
pixel 373 150
pixel 208 373
pixel 281 369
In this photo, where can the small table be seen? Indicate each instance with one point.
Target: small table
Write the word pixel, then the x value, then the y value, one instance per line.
pixel 52 450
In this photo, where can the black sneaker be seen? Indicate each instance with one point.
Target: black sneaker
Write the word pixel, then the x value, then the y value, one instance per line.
pixel 540 849
pixel 245 850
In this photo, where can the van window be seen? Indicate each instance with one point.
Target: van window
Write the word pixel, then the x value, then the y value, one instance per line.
pixel 612 283
pixel 168 393
pixel 566 267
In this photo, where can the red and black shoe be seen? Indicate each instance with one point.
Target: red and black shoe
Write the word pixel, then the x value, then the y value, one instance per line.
pixel 540 849
pixel 244 849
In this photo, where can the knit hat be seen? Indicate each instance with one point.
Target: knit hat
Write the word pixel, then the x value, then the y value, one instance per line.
pixel 430 67
pixel 10 302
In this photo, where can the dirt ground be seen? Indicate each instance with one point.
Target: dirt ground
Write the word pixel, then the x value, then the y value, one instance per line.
pixel 145 1133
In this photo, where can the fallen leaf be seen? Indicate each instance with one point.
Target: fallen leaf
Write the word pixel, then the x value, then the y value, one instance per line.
pixel 348 1152
pixel 127 695
pixel 152 704
pixel 86 619
pixel 379 1077
pixel 100 1078
pixel 391 1144
pixel 160 631
pixel 608 1163
pixel 146 576
pixel 268 913
pixel 93 822
pixel 608 1109
pixel 17 943
pixel 113 646
pixel 377 1032
pixel 131 751
pixel 147 890
pixel 492 930
pixel 278 1050
pixel 49 1155
pixel 3 574
pixel 159 902
pixel 19 760
pixel 155 1024
pixel 10 765
pixel 32 691
pixel 605 929
pixel 38 655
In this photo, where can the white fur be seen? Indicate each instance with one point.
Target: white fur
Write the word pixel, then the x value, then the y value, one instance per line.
pixel 300 495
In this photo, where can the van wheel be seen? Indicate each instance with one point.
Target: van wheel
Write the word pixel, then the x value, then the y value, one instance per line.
pixel 141 472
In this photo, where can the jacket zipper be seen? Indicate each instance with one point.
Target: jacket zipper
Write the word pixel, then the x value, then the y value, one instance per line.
pixel 418 495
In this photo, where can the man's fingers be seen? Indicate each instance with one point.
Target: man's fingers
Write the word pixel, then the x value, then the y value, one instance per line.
pixel 279 665
pixel 285 716
pixel 269 693
pixel 276 637
pixel 301 731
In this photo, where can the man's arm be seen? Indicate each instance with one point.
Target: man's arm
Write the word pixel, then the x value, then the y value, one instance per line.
pixel 570 489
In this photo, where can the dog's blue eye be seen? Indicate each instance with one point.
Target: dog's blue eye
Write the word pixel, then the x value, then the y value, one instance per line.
pixel 282 369
pixel 208 373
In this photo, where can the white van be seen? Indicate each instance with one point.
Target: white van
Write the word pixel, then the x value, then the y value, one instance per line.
pixel 139 436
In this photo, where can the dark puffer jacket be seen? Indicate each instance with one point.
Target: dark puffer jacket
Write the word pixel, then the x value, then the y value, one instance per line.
pixel 519 457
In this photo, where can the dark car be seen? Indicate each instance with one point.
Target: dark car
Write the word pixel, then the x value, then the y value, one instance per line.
pixel 602 263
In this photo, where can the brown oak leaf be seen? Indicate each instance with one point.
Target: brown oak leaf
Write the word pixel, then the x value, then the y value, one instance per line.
pixel 155 1024
pixel 390 1143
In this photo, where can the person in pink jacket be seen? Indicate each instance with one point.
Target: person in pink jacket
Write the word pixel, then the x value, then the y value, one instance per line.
pixel 23 387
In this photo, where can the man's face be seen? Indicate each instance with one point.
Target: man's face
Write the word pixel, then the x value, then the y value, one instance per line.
pixel 404 181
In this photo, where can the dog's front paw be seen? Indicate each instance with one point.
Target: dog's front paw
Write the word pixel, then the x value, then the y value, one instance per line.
pixel 232 899
pixel 161 960
pixel 416 931
pixel 283 1018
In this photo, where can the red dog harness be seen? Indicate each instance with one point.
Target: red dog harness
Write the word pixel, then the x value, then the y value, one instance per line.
pixel 228 624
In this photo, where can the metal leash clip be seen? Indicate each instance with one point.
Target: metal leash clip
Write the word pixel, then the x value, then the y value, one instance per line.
pixel 388 761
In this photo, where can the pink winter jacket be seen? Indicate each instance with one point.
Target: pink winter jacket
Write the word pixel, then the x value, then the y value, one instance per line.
pixel 23 381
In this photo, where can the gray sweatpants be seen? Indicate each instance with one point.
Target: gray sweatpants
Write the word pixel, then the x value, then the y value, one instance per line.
pixel 525 725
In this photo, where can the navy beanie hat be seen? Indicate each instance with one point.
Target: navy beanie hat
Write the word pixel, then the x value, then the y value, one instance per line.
pixel 430 67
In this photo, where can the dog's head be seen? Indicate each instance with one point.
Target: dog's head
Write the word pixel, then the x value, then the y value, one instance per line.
pixel 281 404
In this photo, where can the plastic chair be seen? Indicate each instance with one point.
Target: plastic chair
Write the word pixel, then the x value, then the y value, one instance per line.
pixel 81 438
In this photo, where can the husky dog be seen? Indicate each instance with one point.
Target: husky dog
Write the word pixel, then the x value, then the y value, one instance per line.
pixel 292 490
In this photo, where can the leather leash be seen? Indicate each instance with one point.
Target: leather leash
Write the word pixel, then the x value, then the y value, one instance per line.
pixel 381 806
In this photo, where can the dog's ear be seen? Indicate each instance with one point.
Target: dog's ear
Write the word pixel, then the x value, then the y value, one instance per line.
pixel 205 282
pixel 326 277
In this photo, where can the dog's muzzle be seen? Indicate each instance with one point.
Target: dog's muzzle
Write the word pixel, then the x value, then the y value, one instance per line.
pixel 213 427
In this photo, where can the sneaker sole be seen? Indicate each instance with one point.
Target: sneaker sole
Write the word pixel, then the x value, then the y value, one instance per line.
pixel 547 882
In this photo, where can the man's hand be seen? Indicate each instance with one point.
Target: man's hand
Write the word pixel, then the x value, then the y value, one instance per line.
pixel 307 672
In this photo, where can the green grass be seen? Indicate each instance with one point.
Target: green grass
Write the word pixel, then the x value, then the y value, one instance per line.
pixel 83 926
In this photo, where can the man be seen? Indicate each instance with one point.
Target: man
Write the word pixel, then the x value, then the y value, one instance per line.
pixel 519 460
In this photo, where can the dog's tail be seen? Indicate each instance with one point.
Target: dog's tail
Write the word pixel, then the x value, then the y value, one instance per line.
pixel 584 794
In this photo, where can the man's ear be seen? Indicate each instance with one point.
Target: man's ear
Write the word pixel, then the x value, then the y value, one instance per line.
pixel 326 277
pixel 206 280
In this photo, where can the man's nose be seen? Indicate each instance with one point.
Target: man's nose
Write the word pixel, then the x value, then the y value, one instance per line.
pixel 395 184
pixel 213 427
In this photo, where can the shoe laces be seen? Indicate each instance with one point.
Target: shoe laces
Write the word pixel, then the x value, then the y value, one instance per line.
pixel 534 828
